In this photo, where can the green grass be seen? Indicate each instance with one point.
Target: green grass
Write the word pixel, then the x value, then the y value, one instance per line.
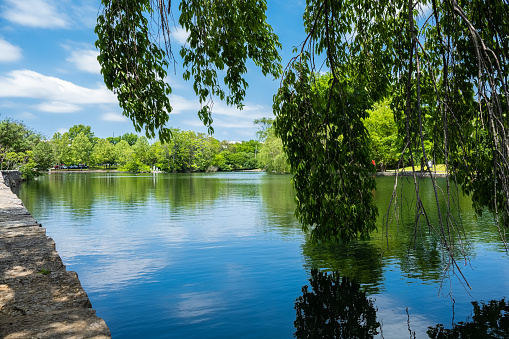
pixel 436 168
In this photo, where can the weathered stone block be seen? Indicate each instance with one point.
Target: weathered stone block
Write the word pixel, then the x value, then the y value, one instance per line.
pixel 39 298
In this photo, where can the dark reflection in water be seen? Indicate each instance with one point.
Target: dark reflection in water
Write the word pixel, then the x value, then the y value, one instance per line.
pixel 337 307
pixel 490 320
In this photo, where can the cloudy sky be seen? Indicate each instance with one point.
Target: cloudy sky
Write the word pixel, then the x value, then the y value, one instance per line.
pixel 50 78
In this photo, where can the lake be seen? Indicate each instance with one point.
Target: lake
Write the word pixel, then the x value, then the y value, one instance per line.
pixel 221 255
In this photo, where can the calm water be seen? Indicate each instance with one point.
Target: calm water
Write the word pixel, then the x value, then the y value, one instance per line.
pixel 222 256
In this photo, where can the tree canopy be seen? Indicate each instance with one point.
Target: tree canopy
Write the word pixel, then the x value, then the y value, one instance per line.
pixel 23 149
pixel 443 64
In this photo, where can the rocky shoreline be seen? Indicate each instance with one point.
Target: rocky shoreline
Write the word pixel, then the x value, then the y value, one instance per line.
pixel 39 298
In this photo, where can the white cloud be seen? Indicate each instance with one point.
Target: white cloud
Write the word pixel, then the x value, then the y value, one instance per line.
pixel 394 318
pixel 62 130
pixel 197 307
pixel 114 117
pixel 34 13
pixel 180 35
pixel 85 60
pixel 9 52
pixel 221 123
pixel 227 118
pixel 177 83
pixel 181 104
pixel 30 84
pixel 27 116
pixel 249 111
pixel 425 11
pixel 119 272
pixel 84 12
pixel 229 124
pixel 58 107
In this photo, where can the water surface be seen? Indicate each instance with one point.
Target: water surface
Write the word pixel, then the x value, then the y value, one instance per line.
pixel 221 255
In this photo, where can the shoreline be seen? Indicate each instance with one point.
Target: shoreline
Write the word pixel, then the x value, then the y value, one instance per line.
pixel 117 171
pixel 380 174
pixel 39 298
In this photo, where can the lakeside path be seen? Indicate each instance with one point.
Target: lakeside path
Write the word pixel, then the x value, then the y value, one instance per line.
pixel 410 174
pixel 39 298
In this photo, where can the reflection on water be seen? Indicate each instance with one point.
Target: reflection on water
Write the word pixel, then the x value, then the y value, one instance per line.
pixel 337 307
pixel 490 320
pixel 222 255
pixel 416 250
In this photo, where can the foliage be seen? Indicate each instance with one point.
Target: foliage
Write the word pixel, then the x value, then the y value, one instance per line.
pixel 265 124
pixel 187 151
pixel 242 160
pixel 251 146
pixel 445 67
pixel 16 137
pixel 60 146
pixel 191 151
pixel 23 162
pixel 103 152
pixel 81 148
pixel 272 157
pixel 113 140
pixel 75 130
pixel 123 152
pixel 141 151
pixel 134 66
pixel 131 138
pixel 134 165
pixel 335 308
pixel 218 41
pixel 23 149
pixel 43 155
pixel 221 162
pixel 383 133
pixel 230 161
pixel 328 150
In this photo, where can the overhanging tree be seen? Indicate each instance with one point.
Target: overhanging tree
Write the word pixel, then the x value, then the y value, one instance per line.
pixel 443 62
pixel 223 35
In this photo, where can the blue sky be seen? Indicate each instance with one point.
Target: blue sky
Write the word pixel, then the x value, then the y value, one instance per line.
pixel 50 78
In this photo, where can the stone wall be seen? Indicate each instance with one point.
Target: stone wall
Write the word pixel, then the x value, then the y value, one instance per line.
pixel 39 298
pixel 12 178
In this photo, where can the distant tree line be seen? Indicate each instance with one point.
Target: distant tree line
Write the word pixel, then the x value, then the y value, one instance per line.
pixel 26 150
pixel 23 149
pixel 187 151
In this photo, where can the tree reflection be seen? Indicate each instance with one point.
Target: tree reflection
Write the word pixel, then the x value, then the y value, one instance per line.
pixel 335 308
pixel 490 320
pixel 279 198
pixel 359 260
